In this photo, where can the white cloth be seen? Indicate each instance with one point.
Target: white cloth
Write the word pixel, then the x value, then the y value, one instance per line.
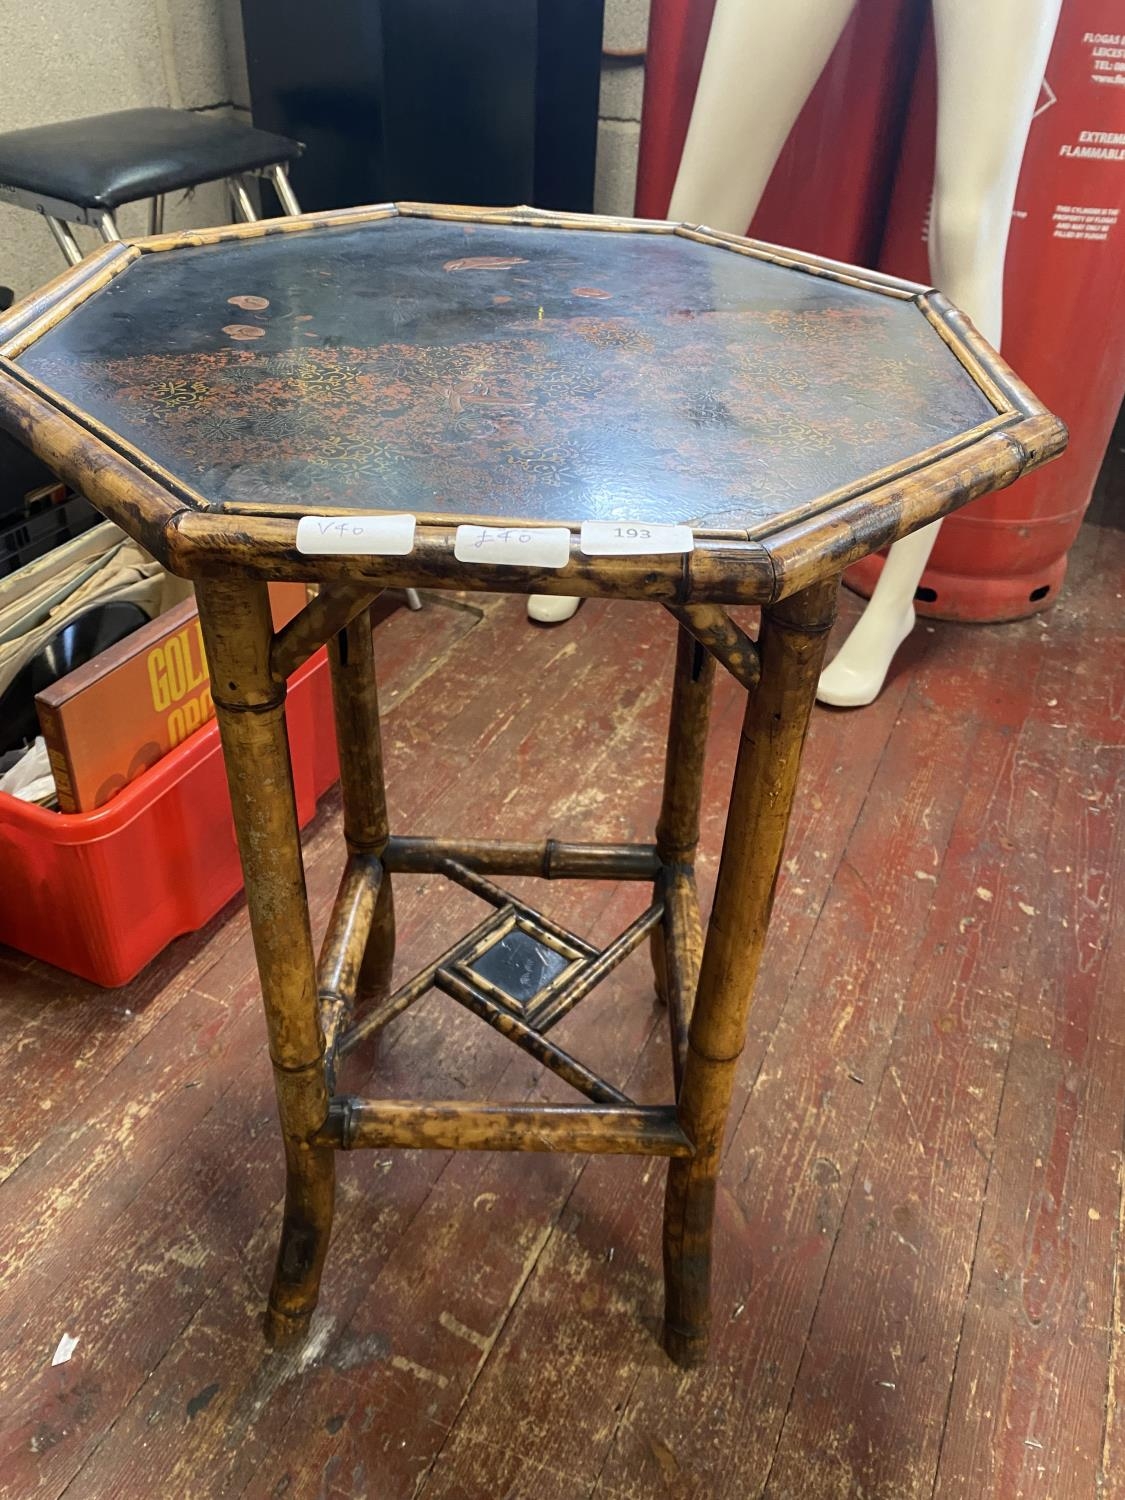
pixel 30 778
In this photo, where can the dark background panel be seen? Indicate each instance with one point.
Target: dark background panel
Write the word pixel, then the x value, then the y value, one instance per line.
pixel 465 101
pixel 316 75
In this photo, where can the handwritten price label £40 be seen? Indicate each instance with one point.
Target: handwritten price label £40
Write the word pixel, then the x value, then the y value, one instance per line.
pixel 514 546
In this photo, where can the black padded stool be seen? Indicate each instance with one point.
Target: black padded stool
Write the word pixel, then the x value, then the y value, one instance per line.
pixel 80 171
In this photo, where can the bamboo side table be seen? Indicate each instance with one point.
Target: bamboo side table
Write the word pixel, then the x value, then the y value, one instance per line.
pixel 414 395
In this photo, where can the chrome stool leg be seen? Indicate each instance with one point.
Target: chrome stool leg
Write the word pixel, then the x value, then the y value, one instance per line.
pixel 64 239
pixel 284 189
pixel 243 207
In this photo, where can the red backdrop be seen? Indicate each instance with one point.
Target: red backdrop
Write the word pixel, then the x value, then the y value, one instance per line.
pixel 854 182
pixel 1064 313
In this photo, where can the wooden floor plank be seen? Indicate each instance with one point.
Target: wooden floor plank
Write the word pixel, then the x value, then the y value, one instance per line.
pixel 726 730
pixel 924 1165
pixel 452 1038
pixel 842 754
pixel 880 1354
pixel 1028 1406
pixel 450 1262
pixel 794 1153
pixel 107 1164
pixel 553 1389
pixel 1111 1477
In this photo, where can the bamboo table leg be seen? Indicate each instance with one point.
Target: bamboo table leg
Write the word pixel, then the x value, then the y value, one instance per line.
pixel 250 707
pixel 677 943
pixel 792 642
pixel 351 657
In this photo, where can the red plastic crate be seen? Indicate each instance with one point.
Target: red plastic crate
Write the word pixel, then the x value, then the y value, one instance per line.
pixel 101 893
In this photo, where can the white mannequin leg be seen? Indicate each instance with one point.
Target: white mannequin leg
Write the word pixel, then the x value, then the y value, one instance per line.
pixel 761 63
pixel 763 58
pixel 991 59
pixel 550 609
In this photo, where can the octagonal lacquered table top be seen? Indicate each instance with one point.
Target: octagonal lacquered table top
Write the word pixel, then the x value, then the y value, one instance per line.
pixel 476 365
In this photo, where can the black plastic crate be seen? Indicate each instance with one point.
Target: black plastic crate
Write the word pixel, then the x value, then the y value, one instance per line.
pixel 42 528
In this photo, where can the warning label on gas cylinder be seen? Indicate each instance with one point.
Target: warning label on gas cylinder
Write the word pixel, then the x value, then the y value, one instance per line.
pixel 1072 222
pixel 1097 145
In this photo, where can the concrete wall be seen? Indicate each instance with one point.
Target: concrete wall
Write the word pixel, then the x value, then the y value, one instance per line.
pixel 619 109
pixel 63 59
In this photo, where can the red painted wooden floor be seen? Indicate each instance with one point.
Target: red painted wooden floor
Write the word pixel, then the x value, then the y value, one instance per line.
pixel 918 1234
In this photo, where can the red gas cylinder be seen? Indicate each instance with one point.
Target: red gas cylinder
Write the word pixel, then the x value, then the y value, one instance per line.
pixel 1064 316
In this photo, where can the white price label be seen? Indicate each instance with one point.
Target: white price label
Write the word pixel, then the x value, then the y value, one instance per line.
pixel 628 538
pixel 514 546
pixel 379 536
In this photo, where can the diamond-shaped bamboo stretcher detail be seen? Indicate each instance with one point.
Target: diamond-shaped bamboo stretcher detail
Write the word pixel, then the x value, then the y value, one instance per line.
pixel 616 1124
pixel 471 972
pixel 672 918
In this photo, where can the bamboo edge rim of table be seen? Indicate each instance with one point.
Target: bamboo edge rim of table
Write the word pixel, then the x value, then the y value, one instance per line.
pixel 790 566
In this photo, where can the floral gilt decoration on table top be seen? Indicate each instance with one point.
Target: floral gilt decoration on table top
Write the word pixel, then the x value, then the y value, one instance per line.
pixel 494 370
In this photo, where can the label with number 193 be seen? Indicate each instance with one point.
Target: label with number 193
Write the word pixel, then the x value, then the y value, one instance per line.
pixel 631 538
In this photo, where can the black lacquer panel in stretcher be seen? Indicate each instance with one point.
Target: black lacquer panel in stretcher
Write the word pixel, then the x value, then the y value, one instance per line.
pixel 520 966
pixel 507 371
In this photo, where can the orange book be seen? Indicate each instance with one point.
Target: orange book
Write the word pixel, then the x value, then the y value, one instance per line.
pixel 109 720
